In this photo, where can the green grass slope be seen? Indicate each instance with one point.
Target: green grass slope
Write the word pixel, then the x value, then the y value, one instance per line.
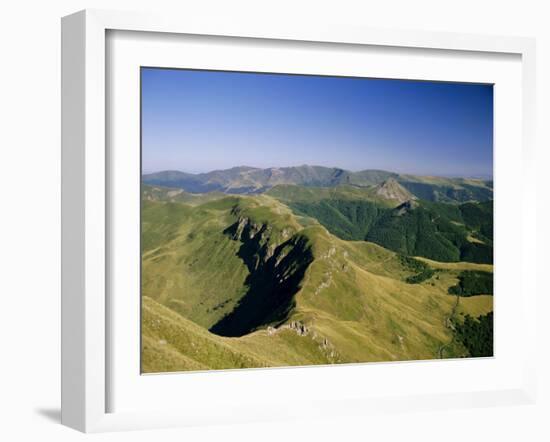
pixel 243 282
pixel 168 194
pixel 448 190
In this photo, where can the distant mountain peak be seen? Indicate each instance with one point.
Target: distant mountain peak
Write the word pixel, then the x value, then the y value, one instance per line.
pixel 392 190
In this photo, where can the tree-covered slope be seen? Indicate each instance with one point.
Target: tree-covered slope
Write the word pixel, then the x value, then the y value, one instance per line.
pixel 472 283
pixel 439 231
pixel 476 335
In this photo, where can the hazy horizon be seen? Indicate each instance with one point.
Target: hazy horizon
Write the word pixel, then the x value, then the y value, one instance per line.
pixel 146 172
pixel 200 121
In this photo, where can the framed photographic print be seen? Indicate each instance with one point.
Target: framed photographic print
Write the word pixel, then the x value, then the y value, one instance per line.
pixel 250 211
pixel 299 219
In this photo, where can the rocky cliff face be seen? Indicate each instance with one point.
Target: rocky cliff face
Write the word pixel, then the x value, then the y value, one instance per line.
pixel 277 261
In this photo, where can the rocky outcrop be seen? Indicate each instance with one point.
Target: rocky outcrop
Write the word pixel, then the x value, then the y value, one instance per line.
pixel 299 327
pixel 392 190
pixel 277 262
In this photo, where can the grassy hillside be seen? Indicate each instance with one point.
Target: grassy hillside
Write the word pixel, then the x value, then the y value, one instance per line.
pixel 438 231
pixel 193 261
pixel 170 194
pixel 347 211
pixel 241 281
pixel 449 190
pixel 289 194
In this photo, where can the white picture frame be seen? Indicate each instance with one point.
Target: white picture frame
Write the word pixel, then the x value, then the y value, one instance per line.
pixel 86 200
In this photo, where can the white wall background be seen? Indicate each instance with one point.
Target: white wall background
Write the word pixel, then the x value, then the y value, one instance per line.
pixel 30 219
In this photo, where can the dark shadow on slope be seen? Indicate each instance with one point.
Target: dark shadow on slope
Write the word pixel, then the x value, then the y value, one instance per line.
pixel 273 281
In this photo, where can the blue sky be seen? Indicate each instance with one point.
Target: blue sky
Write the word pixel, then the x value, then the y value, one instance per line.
pixel 197 121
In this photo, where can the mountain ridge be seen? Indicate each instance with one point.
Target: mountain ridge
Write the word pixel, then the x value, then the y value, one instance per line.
pixel 253 180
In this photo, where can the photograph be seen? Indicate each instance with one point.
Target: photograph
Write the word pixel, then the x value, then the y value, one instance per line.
pixel 308 220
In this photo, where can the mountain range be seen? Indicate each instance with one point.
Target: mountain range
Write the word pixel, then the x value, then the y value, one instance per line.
pixel 251 267
pixel 251 180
